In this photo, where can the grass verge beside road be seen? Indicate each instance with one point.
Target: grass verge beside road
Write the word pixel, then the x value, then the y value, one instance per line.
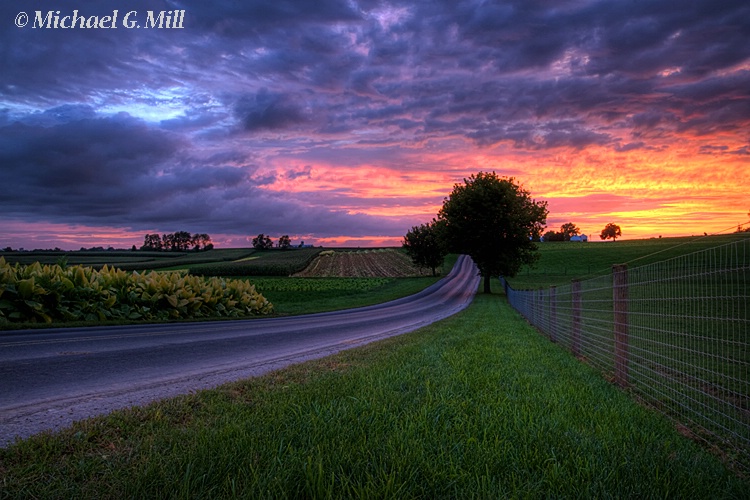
pixel 477 405
pixel 289 296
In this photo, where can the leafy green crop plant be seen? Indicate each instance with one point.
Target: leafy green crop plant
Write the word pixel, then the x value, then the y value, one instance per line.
pixel 53 293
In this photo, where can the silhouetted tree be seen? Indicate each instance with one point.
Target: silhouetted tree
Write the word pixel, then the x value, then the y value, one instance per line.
pixel 568 230
pixel 181 241
pixel 611 230
pixel 284 242
pixel 152 242
pixel 425 245
pixel 553 236
pixel 493 220
pixel 202 241
pixel 262 242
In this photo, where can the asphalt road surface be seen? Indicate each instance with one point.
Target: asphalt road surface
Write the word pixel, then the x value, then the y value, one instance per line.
pixel 50 379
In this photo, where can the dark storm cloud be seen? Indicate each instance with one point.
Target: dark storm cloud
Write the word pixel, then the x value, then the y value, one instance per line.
pixel 91 165
pixel 250 19
pixel 266 110
pixel 59 65
pixel 120 171
pixel 697 36
pixel 210 109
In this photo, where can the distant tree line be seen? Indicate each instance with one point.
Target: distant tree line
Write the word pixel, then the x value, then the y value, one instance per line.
pixel 567 231
pixel 178 242
pixel 264 242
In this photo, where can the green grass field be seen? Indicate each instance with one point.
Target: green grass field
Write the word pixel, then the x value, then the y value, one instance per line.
pixel 687 325
pixel 476 406
pixel 292 296
pixel 560 262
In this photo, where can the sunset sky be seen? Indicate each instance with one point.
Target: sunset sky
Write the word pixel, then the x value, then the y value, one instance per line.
pixel 346 122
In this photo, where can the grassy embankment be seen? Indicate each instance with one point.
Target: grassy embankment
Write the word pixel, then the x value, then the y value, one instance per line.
pixel 477 405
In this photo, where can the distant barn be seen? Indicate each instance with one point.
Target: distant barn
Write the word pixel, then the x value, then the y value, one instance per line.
pixel 582 237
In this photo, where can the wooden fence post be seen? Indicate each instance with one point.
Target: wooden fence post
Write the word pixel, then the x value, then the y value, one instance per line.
pixel 620 306
pixel 576 327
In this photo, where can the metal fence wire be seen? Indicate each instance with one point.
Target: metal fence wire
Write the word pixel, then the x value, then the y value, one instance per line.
pixel 675 332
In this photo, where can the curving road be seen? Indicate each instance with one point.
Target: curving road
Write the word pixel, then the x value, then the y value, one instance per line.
pixel 48 380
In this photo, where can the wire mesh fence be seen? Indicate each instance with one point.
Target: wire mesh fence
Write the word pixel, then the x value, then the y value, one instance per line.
pixel 675 332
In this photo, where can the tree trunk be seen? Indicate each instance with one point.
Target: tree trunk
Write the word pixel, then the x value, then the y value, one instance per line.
pixel 487 284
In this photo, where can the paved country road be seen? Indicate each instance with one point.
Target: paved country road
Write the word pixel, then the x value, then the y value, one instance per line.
pixel 50 379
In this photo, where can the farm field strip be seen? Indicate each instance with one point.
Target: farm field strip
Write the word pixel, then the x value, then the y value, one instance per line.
pixel 128 260
pixel 294 284
pixel 274 262
pixel 361 264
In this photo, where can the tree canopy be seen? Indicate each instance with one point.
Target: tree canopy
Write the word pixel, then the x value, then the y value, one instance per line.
pixel 262 242
pixel 567 231
pixel 179 241
pixel 611 230
pixel 284 242
pixel 425 246
pixel 493 220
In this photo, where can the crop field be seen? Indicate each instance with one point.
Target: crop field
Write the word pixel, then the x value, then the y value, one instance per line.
pixel 266 271
pixel 128 260
pixel 263 263
pixel 53 293
pixel 385 262
pixel 319 284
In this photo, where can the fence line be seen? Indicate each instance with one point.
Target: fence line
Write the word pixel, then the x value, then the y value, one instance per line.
pixel 676 332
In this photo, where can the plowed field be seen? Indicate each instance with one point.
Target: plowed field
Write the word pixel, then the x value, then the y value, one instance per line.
pixel 387 263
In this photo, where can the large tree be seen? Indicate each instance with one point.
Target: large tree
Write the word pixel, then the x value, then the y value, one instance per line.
pixel 611 230
pixel 568 230
pixel 493 220
pixel 285 242
pixel 181 241
pixel 425 246
pixel 202 241
pixel 152 242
